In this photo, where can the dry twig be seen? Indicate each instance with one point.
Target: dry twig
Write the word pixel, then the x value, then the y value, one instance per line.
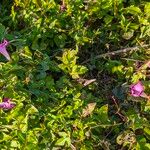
pixel 118 52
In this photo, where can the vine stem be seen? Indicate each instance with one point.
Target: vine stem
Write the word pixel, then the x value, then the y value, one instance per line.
pixel 118 52
pixel 106 125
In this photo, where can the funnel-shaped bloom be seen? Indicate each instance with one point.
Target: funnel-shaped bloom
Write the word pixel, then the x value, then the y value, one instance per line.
pixel 3 50
pixel 137 89
pixel 6 104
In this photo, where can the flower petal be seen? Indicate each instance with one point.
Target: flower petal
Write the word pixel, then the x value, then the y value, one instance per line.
pixel 6 99
pixel 7 104
pixel 2 105
pixel 3 50
pixel 136 89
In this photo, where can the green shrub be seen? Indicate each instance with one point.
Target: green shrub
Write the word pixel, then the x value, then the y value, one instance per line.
pixel 61 103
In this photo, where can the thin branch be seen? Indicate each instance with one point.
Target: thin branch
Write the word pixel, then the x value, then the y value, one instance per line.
pixel 144 66
pixel 117 52
pixel 73 147
pixel 123 118
pixel 106 125
pixel 134 60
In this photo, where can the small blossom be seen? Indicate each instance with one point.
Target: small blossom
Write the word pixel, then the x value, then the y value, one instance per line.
pixel 63 7
pixel 3 50
pixel 137 89
pixel 6 104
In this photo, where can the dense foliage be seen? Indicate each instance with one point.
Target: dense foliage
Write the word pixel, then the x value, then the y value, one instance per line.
pixel 78 77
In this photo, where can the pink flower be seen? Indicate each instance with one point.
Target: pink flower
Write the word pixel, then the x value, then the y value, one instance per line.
pixel 3 50
pixel 137 89
pixel 63 7
pixel 6 104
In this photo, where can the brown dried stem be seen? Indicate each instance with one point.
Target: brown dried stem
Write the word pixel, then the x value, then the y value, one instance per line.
pixel 118 52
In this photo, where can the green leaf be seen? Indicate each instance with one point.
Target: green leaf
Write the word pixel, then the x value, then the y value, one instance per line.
pixel 126 138
pixel 15 144
pixel 141 143
pixel 108 19
pixel 31 137
pixel 128 35
pixel 147 132
pixel 32 110
pixel 35 45
pixel 133 10
pixel 147 9
pixel 6 137
pixel 27 53
pixel 147 146
pixel 119 92
pixel 60 40
pixel 88 110
pixel 2 31
pixel 62 141
pixel 103 114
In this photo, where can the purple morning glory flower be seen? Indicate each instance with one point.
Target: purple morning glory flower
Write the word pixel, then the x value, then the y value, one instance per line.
pixel 6 104
pixel 3 50
pixel 137 89
pixel 63 7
